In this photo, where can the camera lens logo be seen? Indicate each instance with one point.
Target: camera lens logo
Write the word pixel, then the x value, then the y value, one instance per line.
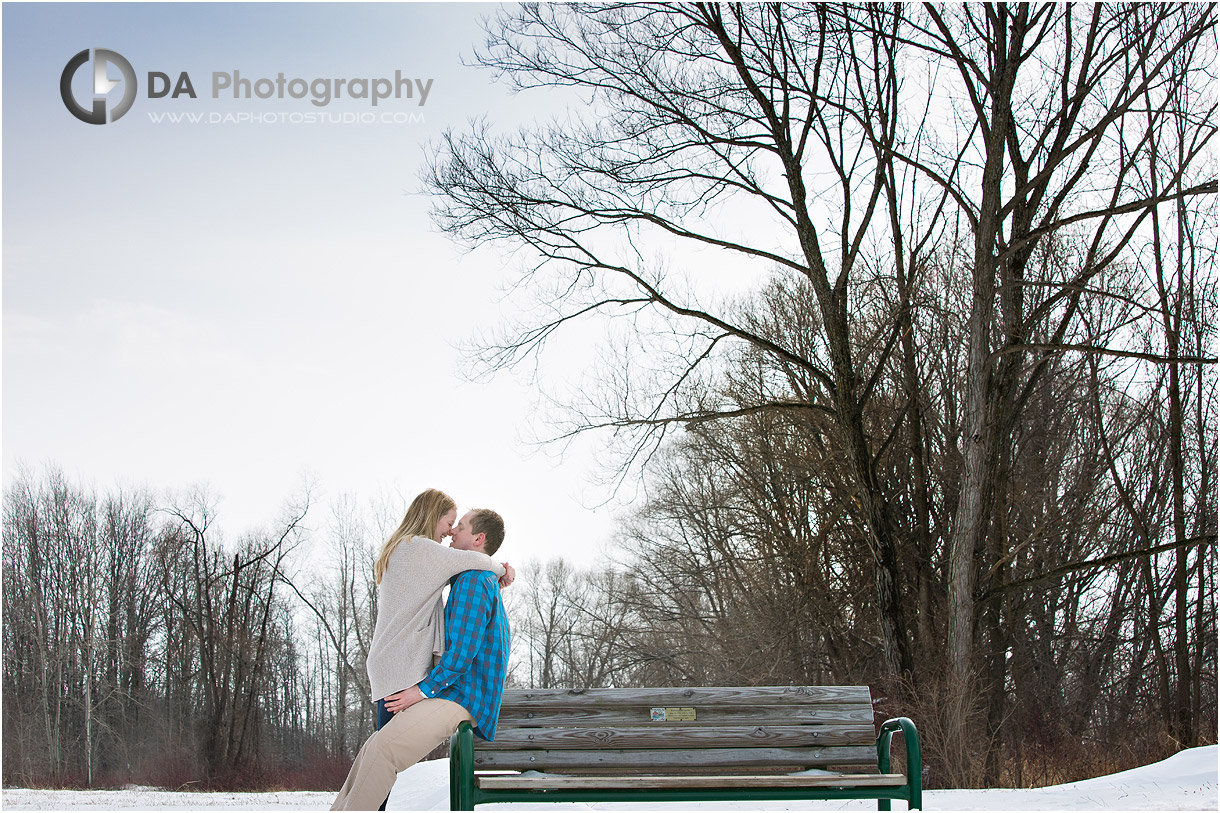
pixel 102 85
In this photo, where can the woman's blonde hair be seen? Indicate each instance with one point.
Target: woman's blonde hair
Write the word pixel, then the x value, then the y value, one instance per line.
pixel 421 519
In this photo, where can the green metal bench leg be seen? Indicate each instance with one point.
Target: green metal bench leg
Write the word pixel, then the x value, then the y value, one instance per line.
pixel 914 760
pixel 461 768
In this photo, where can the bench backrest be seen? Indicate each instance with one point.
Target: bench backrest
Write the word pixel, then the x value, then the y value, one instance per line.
pixel 668 730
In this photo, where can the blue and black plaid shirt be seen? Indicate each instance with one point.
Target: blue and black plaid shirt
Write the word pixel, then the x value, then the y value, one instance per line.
pixel 472 670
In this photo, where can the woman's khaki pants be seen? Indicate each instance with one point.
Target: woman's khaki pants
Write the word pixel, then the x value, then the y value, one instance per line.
pixel 400 743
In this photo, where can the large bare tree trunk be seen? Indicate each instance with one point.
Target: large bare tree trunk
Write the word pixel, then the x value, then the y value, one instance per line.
pixel 981 422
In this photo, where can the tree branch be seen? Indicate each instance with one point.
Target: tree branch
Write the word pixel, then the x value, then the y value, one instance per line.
pixel 1103 561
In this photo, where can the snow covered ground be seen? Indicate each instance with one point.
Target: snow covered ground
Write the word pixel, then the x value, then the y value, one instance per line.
pixel 1185 781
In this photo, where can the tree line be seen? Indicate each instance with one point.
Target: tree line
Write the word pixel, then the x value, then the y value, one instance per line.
pixel 140 646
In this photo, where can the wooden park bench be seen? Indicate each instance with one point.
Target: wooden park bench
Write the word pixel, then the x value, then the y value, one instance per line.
pixel 684 744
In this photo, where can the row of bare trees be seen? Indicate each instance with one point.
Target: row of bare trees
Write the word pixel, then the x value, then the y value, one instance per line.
pixel 143 645
pixel 959 439
pixel 138 646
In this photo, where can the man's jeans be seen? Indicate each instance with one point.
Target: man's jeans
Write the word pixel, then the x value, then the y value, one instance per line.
pixel 383 716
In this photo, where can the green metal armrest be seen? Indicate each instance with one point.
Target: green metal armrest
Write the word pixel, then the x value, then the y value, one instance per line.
pixel 910 738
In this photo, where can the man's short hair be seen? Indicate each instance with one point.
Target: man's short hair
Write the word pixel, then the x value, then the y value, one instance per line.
pixel 488 522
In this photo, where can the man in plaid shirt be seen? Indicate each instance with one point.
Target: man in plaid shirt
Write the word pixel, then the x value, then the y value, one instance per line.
pixel 467 684
pixel 472 671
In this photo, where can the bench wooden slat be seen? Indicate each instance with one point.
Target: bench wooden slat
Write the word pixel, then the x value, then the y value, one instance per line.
pixel 596 716
pixel 520 782
pixel 661 735
pixel 689 696
pixel 747 759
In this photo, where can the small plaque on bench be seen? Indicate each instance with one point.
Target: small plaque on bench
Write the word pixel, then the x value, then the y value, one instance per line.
pixel 681 714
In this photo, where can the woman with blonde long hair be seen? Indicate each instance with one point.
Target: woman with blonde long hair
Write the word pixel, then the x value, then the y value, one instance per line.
pixel 411 572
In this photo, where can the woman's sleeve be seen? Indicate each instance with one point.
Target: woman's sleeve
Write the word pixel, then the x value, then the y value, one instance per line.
pixel 452 562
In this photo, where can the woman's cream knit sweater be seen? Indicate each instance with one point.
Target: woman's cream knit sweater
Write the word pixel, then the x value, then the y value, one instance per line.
pixel 410 626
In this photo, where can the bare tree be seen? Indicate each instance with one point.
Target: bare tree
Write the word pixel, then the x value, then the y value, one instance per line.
pixel 228 606
pixel 804 139
pixel 737 95
pixel 572 625
pixel 343 600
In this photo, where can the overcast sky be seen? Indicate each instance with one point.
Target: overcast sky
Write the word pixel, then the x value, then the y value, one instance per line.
pixel 246 304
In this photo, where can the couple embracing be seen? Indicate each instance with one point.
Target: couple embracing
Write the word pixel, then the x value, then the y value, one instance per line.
pixel 432 666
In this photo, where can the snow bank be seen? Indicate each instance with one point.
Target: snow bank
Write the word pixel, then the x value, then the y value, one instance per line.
pixel 1185 781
